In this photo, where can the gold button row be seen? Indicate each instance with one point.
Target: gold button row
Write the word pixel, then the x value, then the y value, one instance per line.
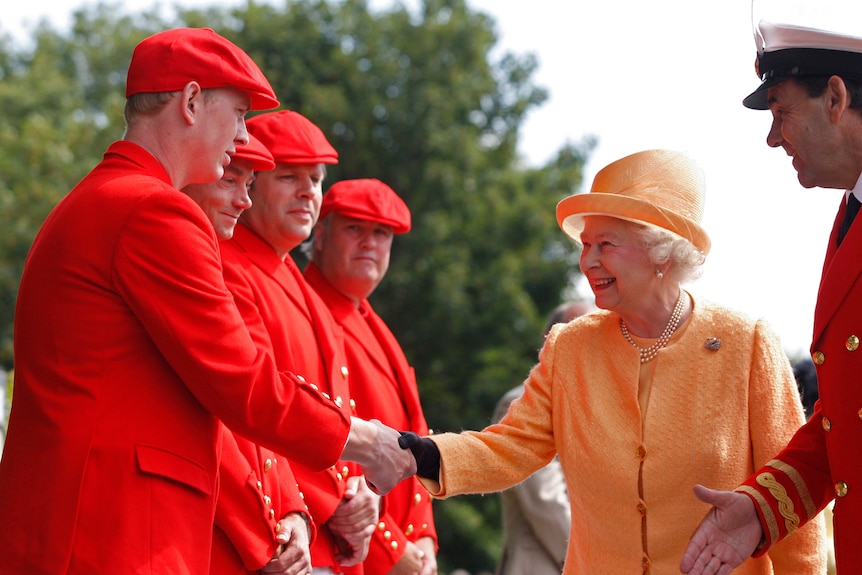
pixel 851 344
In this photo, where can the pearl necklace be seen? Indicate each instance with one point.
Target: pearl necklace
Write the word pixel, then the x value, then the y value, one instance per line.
pixel 649 353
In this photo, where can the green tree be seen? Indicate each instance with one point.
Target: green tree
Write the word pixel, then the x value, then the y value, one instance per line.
pixel 407 96
pixel 62 105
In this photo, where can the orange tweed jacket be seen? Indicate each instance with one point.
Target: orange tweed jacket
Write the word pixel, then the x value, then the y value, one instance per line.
pixel 714 416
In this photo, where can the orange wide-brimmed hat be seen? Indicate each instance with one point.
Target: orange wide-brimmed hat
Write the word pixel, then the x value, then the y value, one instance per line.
pixel 167 61
pixel 256 153
pixel 367 199
pixel 292 138
pixel 657 187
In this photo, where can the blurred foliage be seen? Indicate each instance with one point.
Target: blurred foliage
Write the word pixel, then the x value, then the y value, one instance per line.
pixel 409 96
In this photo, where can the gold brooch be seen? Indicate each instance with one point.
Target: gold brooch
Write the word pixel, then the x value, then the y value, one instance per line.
pixel 712 343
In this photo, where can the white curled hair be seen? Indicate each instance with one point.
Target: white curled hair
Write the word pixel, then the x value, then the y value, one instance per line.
pixel 686 261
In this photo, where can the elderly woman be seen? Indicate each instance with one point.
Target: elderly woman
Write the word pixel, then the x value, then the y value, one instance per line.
pixel 641 400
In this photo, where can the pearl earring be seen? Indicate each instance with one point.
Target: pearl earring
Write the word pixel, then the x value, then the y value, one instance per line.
pixel 658 274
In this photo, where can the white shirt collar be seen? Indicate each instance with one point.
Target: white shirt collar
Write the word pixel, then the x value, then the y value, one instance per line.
pixel 856 191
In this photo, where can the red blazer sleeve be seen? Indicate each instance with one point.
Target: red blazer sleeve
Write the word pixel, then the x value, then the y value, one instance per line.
pixel 794 486
pixel 390 536
pixel 243 510
pixel 256 489
pixel 387 546
pixel 184 305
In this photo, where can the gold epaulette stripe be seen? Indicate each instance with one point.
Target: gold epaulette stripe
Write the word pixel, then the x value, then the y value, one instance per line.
pixel 785 504
pixel 768 515
pixel 801 488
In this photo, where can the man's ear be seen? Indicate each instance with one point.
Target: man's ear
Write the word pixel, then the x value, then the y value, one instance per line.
pixel 190 101
pixel 317 237
pixel 838 97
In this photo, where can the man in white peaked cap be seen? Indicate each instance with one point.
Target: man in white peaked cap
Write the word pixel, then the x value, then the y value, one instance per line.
pixel 812 84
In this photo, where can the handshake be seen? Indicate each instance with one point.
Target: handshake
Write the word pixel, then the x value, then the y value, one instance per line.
pixel 388 456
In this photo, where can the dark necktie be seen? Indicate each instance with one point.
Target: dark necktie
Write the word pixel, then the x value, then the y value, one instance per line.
pixel 852 209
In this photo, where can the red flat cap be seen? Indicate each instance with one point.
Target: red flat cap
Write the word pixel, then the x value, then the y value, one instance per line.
pixel 167 61
pixel 255 152
pixel 291 138
pixel 367 199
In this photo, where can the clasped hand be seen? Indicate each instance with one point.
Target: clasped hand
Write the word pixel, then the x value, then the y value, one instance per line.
pixel 374 446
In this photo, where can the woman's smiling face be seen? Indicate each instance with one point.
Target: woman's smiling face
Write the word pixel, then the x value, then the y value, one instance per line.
pixel 616 265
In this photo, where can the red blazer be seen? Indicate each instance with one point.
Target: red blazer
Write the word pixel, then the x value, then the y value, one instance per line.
pixel 127 342
pixel 256 489
pixel 284 313
pixel 823 460
pixel 383 386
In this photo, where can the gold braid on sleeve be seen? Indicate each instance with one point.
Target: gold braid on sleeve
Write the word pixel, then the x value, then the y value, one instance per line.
pixel 785 505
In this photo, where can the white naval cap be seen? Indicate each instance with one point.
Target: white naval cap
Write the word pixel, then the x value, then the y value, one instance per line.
pixel 785 51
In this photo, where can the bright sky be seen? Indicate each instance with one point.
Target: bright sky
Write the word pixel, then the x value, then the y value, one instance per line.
pixel 662 74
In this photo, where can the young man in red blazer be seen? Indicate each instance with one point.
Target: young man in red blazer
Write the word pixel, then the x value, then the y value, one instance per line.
pixel 128 346
pixel 261 520
pixel 350 257
pixel 286 315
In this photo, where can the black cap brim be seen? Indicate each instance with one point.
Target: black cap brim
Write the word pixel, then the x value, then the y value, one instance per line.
pixel 777 66
pixel 757 99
